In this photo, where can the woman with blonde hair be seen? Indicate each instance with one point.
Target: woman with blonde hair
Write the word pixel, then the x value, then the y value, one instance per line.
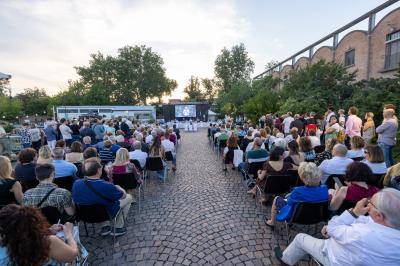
pixel 10 189
pixel 44 155
pixel 369 128
pixel 282 209
pixel 122 165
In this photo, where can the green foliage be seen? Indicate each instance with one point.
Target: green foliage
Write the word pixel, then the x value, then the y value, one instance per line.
pixel 34 101
pixel 233 66
pixel 134 76
pixel 10 108
pixel 193 90
pixel 231 102
pixel 316 87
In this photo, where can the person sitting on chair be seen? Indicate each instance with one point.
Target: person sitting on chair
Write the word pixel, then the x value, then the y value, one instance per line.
pixel 138 154
pixel 352 237
pixel 232 145
pixel 255 155
pixel 53 196
pixel 375 159
pixel 337 165
pixel 93 190
pixel 357 144
pixel 356 188
pixel 169 147
pixel 62 167
pixel 282 209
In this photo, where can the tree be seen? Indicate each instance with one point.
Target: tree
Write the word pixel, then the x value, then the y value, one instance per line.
pixel 34 101
pixel 233 66
pixel 193 90
pixel 10 108
pixel 271 64
pixel 134 76
pixel 210 89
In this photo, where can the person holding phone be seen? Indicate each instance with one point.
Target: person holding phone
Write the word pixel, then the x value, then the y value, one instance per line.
pixel 352 237
pixel 356 188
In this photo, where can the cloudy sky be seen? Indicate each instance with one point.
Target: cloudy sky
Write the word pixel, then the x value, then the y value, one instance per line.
pixel 41 41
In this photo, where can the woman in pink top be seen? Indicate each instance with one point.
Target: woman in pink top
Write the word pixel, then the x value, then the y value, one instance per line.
pixel 354 123
pixel 356 178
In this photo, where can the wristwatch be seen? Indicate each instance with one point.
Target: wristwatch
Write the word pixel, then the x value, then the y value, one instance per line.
pixel 352 213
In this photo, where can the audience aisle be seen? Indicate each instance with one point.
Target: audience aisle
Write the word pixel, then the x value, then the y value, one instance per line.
pixel 199 216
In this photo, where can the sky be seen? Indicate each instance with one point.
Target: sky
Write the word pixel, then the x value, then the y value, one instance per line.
pixel 42 40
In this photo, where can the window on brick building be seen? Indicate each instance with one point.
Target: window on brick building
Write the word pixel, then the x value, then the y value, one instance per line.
pixel 392 55
pixel 349 57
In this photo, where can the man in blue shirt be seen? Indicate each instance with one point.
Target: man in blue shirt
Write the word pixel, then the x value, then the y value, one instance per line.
pixel 62 167
pixel 93 190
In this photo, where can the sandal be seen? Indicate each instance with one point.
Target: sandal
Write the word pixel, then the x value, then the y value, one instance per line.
pixel 272 226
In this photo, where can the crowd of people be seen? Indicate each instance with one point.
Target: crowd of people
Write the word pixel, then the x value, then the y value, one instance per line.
pixel 333 158
pixel 88 153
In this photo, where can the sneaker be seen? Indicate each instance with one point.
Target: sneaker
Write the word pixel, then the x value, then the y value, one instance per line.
pixel 118 232
pixel 105 230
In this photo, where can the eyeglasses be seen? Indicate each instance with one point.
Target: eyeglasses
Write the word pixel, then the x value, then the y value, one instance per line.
pixel 373 205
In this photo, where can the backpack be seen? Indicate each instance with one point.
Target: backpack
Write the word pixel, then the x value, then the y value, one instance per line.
pixel 395 182
pixel 341 136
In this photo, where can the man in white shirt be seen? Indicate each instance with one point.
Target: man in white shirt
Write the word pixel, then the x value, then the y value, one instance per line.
pixel 287 121
pixel 151 137
pixel 138 154
pixel 353 238
pixel 337 165
pixel 66 132
pixel 251 144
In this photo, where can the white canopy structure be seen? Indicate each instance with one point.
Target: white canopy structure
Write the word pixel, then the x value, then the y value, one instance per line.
pixel 4 76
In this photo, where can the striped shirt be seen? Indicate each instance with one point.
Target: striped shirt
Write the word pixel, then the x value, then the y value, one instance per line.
pixel 106 155
pixel 259 155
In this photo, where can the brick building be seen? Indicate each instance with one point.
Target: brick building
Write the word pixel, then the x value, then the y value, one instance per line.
pixel 374 52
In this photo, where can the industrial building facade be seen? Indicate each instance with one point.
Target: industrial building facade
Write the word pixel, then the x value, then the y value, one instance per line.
pixel 374 53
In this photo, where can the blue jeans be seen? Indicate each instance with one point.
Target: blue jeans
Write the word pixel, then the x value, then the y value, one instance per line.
pixel 387 153
pixel 244 166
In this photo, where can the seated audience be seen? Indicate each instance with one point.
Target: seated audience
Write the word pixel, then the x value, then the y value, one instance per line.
pixel 294 156
pixel 25 170
pixel 10 189
pixel 229 151
pixel 282 209
pixel 327 154
pixel 337 165
pixel 169 147
pixel 106 154
pixel 27 240
pixel 250 144
pixel 138 154
pixel 87 142
pixel 172 136
pixel 62 167
pixel 352 237
pixel 392 172
pixel 76 154
pixel 307 149
pixel 157 150
pixel 356 187
pixel 45 155
pixel 58 197
pixel 118 199
pixel 315 141
pixel 246 140
pixel 122 165
pixel 374 159
pixel 293 135
pixel 357 144
pixel 274 166
pixel 120 143
pixel 255 155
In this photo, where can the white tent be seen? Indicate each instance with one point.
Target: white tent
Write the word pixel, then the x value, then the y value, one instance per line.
pixel 4 76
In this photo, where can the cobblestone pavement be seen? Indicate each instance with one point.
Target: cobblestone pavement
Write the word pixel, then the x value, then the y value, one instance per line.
pixel 197 217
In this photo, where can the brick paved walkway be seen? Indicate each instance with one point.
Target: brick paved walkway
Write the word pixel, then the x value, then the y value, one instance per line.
pixel 198 217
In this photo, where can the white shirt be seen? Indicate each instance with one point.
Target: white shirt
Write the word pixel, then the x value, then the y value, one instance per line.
pixel 250 146
pixel 65 132
pixel 328 116
pixel 377 168
pixel 168 145
pixel 138 155
pixel 287 121
pixel 336 165
pixel 361 242
pixel 355 153
pixel 315 141
pixel 149 139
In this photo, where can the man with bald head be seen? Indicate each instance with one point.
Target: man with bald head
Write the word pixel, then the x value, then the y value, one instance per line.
pixel 337 165
pixel 352 237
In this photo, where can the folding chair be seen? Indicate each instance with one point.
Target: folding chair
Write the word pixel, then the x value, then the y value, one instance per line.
pixel 80 172
pixel 221 146
pixel 275 185
pixel 95 213
pixel 376 181
pixel 251 171
pixel 155 164
pixel 308 213
pixel 52 214
pixel 330 183
pixel 65 182
pixel 169 158
pixel 127 181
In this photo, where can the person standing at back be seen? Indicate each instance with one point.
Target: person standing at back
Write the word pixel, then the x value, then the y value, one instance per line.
pixel 99 130
pixel 387 135
pixel 353 125
pixel 66 132
pixel 287 122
